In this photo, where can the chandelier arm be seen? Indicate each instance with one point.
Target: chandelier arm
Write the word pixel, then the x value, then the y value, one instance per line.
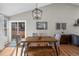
pixel 37 13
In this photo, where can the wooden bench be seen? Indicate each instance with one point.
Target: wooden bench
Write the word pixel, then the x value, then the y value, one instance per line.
pixel 39 51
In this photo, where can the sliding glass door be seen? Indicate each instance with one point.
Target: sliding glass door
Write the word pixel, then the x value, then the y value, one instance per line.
pixel 21 29
pixel 13 30
pixel 17 28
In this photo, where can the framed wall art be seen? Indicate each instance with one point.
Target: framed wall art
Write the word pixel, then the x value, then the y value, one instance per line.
pixel 41 25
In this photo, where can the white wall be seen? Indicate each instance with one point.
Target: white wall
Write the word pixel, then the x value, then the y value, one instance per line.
pixel 3 38
pixel 53 13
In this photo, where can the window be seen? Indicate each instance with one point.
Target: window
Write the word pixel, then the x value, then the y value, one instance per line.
pixel 60 26
pixel 5 27
pixel 63 26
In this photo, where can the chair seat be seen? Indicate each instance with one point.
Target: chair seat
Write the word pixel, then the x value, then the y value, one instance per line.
pixel 39 51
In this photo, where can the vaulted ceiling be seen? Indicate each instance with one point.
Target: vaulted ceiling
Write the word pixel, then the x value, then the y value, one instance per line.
pixel 10 9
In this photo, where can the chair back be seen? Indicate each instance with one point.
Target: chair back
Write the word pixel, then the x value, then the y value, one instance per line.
pixel 18 39
pixel 57 36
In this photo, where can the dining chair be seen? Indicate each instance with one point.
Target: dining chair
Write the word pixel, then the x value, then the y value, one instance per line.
pixel 58 37
pixel 18 42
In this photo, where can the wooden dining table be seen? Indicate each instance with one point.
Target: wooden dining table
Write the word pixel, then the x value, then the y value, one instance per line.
pixel 37 39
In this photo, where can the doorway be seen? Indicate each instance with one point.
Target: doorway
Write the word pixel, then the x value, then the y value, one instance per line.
pixel 17 27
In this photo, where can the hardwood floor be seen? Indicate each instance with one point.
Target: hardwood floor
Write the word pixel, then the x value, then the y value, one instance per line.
pixel 7 51
pixel 65 50
pixel 69 50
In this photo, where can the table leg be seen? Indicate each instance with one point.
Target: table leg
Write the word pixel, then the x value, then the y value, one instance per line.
pixel 27 48
pixel 56 48
pixel 16 49
pixel 22 48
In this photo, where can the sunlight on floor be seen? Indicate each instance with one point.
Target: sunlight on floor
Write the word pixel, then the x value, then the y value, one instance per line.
pixel 9 51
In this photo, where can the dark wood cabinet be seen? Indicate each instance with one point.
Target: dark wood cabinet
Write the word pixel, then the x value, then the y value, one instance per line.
pixel 66 39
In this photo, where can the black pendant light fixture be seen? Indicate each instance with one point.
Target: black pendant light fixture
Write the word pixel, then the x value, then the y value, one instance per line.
pixel 37 13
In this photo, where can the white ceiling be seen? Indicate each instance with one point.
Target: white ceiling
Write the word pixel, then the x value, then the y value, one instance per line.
pixel 10 9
